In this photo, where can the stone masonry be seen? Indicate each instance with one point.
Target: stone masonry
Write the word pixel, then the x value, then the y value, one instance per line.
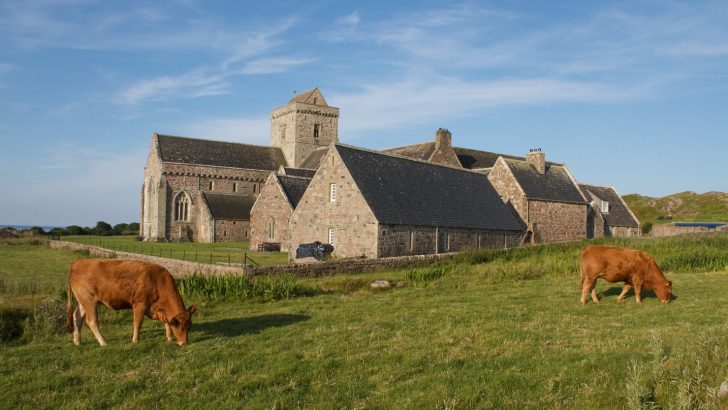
pixel 272 204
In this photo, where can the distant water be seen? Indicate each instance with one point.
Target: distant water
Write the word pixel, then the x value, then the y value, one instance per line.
pixel 21 227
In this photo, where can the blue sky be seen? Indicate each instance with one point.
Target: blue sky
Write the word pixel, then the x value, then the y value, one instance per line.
pixel 632 94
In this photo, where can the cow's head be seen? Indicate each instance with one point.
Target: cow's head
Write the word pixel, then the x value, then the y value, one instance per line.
pixel 181 324
pixel 664 291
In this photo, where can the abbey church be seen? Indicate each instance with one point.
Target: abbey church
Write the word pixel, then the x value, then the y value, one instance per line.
pixel 418 199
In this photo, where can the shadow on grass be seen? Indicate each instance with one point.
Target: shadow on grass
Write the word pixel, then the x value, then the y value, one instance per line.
pixel 646 294
pixel 245 326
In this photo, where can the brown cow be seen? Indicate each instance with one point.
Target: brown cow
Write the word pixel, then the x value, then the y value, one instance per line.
pixel 613 264
pixel 145 288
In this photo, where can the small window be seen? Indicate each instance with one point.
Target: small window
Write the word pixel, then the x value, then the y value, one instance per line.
pixel 449 241
pixel 211 185
pixel 283 132
pixel 331 236
pixel 254 187
pixel 270 227
pixel 316 130
pixel 224 232
pixel 605 207
pixel 332 193
pixel 235 187
pixel 411 240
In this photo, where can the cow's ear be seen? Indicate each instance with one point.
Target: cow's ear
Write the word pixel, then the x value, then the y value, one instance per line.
pixel 192 309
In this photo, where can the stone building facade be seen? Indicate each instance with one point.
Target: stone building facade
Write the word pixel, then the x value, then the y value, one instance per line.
pixel 609 214
pixel 374 205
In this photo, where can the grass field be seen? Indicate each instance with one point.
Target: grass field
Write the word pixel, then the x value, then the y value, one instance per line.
pixel 212 253
pixel 505 333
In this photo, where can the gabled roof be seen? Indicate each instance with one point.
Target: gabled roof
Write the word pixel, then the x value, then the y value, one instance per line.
pixel 299 172
pixel 313 160
pixel 219 153
pixel 404 191
pixel 294 187
pixel 417 151
pixel 226 206
pixel 474 159
pixel 619 214
pixel 554 185
pixel 312 96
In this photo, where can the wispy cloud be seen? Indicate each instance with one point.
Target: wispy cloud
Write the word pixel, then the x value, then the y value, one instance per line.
pixel 272 65
pixel 194 84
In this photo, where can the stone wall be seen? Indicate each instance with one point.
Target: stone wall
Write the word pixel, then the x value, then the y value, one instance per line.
pixel 507 187
pixel 354 224
pixel 557 221
pixel 292 129
pixel 398 240
pixel 594 224
pixel 231 231
pixel 623 231
pixel 672 230
pixel 272 203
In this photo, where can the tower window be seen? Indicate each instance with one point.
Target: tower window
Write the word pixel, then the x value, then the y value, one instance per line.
pixel 235 187
pixel 283 132
pixel 316 130
pixel 254 187
pixel 331 236
pixel 211 185
pixel 332 193
pixel 182 207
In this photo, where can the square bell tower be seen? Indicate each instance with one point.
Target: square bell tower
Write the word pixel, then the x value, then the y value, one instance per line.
pixel 303 125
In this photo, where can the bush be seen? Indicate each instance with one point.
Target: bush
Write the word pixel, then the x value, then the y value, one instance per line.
pixel 647 228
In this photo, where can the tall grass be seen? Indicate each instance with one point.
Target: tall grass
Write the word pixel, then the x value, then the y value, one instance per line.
pixel 272 287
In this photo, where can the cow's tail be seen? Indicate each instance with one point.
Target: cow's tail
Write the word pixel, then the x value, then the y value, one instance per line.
pixel 581 277
pixel 69 309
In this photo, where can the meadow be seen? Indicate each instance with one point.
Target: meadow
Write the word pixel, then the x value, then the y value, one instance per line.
pixel 212 253
pixel 491 329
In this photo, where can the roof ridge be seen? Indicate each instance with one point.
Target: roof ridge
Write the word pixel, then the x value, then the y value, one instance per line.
pixel 387 154
pixel 407 146
pixel 205 193
pixel 293 176
pixel 211 140
pixel 597 186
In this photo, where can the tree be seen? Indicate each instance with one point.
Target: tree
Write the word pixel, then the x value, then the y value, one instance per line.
pixel 102 228
pixel 119 229
pixel 75 230
pixel 647 228
pixel 134 228
pixel 56 232
pixel 37 230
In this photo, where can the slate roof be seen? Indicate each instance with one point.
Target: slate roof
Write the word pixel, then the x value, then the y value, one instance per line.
pixel 554 185
pixel 473 158
pixel 300 172
pixel 294 187
pixel 313 160
pixel 619 214
pixel 219 153
pixel 404 191
pixel 226 206
pixel 306 97
pixel 418 151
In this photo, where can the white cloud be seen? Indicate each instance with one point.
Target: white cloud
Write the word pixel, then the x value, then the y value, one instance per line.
pixel 272 65
pixel 194 84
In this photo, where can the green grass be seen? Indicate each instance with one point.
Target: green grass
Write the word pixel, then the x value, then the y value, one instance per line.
pixel 213 253
pixel 683 206
pixel 465 339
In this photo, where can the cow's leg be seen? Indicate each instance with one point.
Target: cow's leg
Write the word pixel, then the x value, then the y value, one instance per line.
pixel 588 285
pixel 138 319
pixel 625 289
pixel 168 332
pixel 92 322
pixel 594 292
pixel 637 292
pixel 78 316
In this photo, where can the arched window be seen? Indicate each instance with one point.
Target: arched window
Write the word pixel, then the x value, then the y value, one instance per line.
pixel 182 207
pixel 270 227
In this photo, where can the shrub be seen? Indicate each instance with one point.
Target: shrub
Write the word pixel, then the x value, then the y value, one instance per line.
pixel 647 228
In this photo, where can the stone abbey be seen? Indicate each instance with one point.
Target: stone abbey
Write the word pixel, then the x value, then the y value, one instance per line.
pixel 418 199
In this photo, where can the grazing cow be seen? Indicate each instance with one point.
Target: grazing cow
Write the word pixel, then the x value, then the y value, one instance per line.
pixel 633 267
pixel 145 288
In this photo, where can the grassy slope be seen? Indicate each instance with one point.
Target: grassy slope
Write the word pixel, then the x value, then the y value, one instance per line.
pixel 464 341
pixel 218 252
pixel 684 206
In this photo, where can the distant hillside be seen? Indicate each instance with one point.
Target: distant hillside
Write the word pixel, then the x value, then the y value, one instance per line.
pixel 682 207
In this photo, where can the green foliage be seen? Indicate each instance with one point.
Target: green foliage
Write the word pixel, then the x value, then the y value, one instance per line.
pixel 102 228
pixel 422 277
pixel 119 229
pixel 56 232
pixel 11 323
pixel 646 228
pixel 683 206
pixel 274 287
pixel 76 230
pixel 47 319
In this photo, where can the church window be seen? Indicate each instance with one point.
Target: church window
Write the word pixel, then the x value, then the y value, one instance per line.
pixel 182 207
pixel 254 187
pixel 211 185
pixel 270 226
pixel 316 130
pixel 224 232
pixel 332 193
pixel 331 236
pixel 315 100
pixel 235 187
pixel 282 131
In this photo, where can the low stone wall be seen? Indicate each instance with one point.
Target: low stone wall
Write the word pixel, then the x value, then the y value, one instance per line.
pixel 180 268
pixel 673 230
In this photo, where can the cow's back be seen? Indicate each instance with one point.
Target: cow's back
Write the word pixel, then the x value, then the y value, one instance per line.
pixel 611 263
pixel 117 283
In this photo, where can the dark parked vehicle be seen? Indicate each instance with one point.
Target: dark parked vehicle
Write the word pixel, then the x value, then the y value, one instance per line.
pixel 316 249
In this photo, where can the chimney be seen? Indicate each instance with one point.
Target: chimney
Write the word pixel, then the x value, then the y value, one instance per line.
pixel 443 138
pixel 537 158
